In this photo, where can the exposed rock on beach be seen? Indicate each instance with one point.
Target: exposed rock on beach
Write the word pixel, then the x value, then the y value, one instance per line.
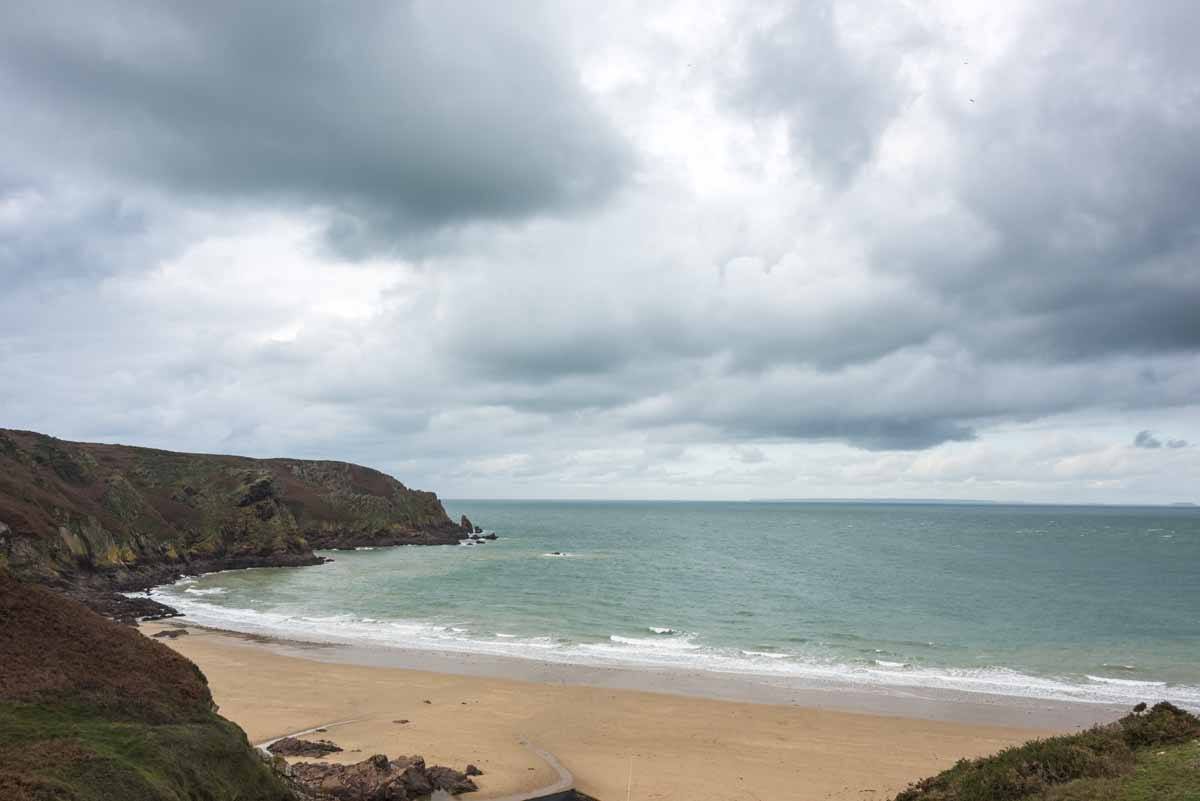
pixel 295 747
pixel 379 779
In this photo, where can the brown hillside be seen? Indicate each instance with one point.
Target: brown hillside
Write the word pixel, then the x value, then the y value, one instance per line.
pixel 122 517
pixel 53 649
pixel 93 711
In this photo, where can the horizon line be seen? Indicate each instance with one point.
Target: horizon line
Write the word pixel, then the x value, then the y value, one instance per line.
pixel 913 501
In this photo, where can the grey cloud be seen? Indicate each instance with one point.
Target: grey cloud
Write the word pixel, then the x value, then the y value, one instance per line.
pixel 885 432
pixel 1080 177
pixel 1146 439
pixel 748 454
pixel 399 116
pixel 53 233
pixel 1064 228
pixel 835 101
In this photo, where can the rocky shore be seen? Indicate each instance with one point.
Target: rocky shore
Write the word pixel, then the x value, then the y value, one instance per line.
pixel 296 747
pixel 96 521
pixel 379 779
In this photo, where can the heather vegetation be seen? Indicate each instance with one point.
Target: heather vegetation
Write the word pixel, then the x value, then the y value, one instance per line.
pixel 94 711
pixel 1149 755
pixel 111 516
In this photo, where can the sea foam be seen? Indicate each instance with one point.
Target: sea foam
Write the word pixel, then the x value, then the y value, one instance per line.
pixel 682 651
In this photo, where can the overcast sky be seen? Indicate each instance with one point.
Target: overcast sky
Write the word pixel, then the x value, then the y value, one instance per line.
pixel 620 250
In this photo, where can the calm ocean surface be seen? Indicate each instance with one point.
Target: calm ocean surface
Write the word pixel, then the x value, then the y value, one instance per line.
pixel 1084 603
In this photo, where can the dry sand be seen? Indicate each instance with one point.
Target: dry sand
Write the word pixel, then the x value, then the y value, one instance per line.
pixel 659 746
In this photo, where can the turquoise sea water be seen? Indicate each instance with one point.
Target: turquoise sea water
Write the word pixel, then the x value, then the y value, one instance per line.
pixel 1085 603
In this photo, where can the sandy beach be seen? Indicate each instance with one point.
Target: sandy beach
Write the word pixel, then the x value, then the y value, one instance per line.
pixel 654 745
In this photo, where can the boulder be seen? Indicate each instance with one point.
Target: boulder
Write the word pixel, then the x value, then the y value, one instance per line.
pixel 379 779
pixel 450 780
pixel 295 747
pixel 123 608
pixel 466 524
pixel 260 488
pixel 170 633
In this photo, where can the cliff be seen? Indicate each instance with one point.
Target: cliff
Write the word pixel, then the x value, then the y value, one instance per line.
pixel 114 517
pixel 94 711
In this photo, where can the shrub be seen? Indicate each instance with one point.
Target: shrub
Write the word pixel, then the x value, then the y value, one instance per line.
pixel 1032 769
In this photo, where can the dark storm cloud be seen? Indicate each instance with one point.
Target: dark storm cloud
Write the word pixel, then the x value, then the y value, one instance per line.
pixel 401 116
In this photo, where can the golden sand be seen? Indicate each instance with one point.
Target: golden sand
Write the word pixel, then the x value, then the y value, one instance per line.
pixel 655 746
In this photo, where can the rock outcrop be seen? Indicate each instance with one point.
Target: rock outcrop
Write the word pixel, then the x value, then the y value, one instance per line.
pixel 379 779
pixel 113 517
pixel 295 747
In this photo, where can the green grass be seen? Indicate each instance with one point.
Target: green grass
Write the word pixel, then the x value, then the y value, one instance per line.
pixel 71 753
pixel 1171 773
pixel 1143 756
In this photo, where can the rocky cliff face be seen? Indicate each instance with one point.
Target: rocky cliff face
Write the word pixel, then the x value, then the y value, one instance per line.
pixel 117 517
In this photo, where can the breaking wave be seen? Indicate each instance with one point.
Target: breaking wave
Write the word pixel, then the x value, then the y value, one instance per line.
pixel 683 651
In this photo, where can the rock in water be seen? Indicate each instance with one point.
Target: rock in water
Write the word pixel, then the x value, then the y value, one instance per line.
pixel 467 525
pixel 122 608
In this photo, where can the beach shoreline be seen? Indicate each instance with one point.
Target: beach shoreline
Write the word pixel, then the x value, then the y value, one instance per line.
pixel 695 736
pixel 927 703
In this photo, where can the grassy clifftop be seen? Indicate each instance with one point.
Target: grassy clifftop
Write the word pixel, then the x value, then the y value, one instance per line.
pixel 93 711
pixel 1151 755
pixel 123 517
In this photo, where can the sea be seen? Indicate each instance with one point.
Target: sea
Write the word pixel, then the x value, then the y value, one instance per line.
pixel 1089 604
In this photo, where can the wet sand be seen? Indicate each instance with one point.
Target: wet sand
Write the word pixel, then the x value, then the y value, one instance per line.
pixel 658 745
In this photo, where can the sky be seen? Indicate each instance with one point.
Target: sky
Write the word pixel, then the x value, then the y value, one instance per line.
pixel 727 250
